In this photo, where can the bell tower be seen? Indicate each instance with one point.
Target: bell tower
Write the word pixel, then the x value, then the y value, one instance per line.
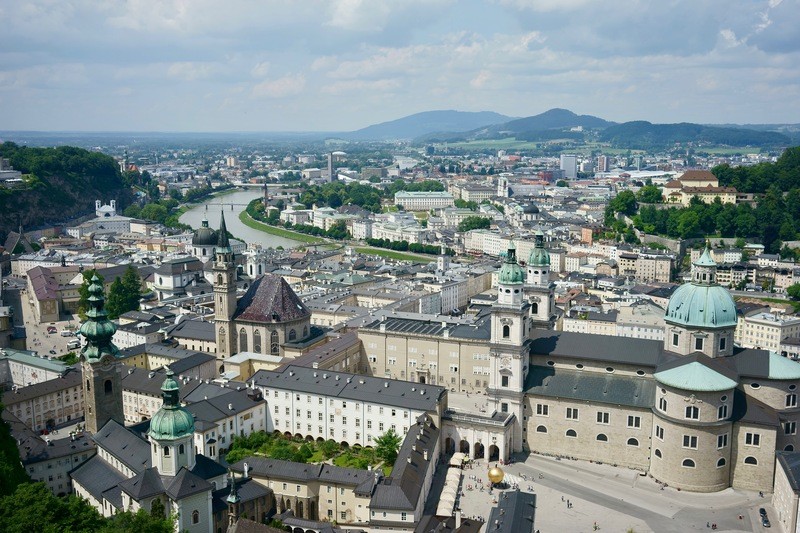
pixel 171 432
pixel 538 288
pixel 102 389
pixel 509 348
pixel 224 270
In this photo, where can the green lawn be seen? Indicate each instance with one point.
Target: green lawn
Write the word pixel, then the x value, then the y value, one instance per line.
pixel 248 221
pixel 392 254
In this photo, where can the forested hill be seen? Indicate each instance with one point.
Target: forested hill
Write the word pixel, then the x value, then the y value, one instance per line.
pixel 59 184
pixel 644 135
pixel 784 174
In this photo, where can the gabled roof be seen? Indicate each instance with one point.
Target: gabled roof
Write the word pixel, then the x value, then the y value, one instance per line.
pixel 765 365
pixel 143 485
pixel 97 476
pixel 207 468
pixel 270 299
pixel 131 450
pixel 606 348
pixel 185 484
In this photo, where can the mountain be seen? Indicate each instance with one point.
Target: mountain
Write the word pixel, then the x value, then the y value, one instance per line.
pixel 643 135
pixel 427 122
pixel 554 119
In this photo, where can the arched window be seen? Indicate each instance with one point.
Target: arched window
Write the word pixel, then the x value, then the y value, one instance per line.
pixel 688 463
pixel 195 517
pixel 257 341
pixel 166 451
pixel 658 453
pixel 788 448
pixel 88 386
pixel 242 340
pixel 221 339
pixel 273 342
pixel 219 279
pixel 750 460
pixel 506 331
pixel 305 331
pixel 602 437
pixel 721 462
pixel 535 308
pixel 571 433
pixel 181 449
pixel 292 335
pixel 633 442
pixel 541 429
pixel 108 387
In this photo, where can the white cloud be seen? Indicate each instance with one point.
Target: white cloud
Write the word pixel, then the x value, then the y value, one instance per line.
pixel 260 70
pixel 288 85
pixel 191 70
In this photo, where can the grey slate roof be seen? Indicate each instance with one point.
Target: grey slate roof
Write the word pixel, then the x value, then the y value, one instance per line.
pixel 192 329
pixel 401 490
pixel 147 483
pixel 207 468
pixel 752 363
pixel 220 407
pixel 97 476
pixel 276 468
pixel 247 489
pixel 591 386
pixel 748 410
pixel 514 513
pixel 132 450
pixel 185 484
pixel 402 394
pixel 363 480
pixel 67 381
pixel 434 328
pixel 643 352
pixel 270 299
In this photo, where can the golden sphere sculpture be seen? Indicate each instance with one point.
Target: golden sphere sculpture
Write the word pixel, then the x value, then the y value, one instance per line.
pixel 496 475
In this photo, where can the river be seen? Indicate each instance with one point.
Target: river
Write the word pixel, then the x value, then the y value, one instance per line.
pixel 212 207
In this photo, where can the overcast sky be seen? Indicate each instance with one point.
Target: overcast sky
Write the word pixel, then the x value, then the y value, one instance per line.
pixel 297 65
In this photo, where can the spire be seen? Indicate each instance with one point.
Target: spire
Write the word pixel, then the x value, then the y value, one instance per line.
pixel 233 501
pixel 222 240
pixel 97 329
pixel 233 497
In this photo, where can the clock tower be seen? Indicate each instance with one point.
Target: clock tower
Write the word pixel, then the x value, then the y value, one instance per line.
pixel 224 270
pixel 509 347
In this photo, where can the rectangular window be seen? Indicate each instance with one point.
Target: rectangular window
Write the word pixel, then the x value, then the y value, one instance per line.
pixel 722 343
pixel 662 404
pixel 698 343
pixel 791 400
pixel 675 339
pixel 602 418
pixel 572 413
pixel 634 422
pixel 343 515
pixel 504 407
pixel 752 439
pixel 722 411
pixel 542 409
pixel 504 381
pixel 789 428
pixel 722 440
pixel 692 412
pixel 369 424
pixel 690 441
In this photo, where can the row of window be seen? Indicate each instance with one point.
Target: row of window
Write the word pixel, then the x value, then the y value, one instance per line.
pixel 690 463
pixel 602 437
pixel 603 417
pixel 692 412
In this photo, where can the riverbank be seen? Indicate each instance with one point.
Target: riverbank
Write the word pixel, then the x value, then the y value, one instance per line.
pixel 248 221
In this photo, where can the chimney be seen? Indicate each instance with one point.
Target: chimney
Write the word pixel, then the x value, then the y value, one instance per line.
pixel 458 518
pixel 246 469
pixel 425 455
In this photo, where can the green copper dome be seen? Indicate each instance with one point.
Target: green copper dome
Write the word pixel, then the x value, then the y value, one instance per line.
pixel 539 256
pixel 171 421
pixel 511 273
pixel 97 329
pixel 702 303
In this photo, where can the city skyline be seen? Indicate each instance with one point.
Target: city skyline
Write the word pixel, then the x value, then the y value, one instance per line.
pixel 342 65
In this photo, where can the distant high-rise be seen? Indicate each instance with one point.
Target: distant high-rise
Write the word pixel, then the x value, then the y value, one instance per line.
pixel 602 163
pixel 330 167
pixel 569 164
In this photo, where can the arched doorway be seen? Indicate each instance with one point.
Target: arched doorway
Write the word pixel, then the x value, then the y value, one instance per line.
pixel 449 446
pixel 478 450
pixel 494 453
pixel 422 379
pixel 464 447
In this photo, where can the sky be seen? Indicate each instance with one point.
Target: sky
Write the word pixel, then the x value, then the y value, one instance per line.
pixel 340 65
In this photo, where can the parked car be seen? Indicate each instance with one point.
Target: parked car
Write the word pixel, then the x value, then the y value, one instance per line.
pixel 762 512
pixel 52 352
pixel 765 522
pixel 51 329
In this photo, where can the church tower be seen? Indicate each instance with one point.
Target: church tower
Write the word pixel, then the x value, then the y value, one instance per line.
pixel 171 432
pixel 538 286
pixel 102 389
pixel 224 270
pixel 234 503
pixel 509 348
pixel 701 314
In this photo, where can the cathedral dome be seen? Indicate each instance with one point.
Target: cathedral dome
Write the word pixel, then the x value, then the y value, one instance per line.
pixel 204 236
pixel 171 421
pixel 511 273
pixel 702 303
pixel 530 209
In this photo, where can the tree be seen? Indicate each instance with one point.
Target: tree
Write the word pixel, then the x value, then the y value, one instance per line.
pixel 562 183
pixel 11 471
pixel 114 302
pixel 471 223
pixel 649 194
pixel 157 509
pixel 794 291
pixel 32 507
pixel 387 445
pixel 155 212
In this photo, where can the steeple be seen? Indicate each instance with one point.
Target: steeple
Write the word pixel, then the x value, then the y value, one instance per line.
pixel 223 245
pixel 98 329
pixel 233 501
pixel 705 268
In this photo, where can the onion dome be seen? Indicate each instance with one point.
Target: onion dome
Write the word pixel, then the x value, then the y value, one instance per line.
pixel 702 303
pixel 204 236
pixel 539 256
pixel 171 421
pixel 97 329
pixel 511 273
